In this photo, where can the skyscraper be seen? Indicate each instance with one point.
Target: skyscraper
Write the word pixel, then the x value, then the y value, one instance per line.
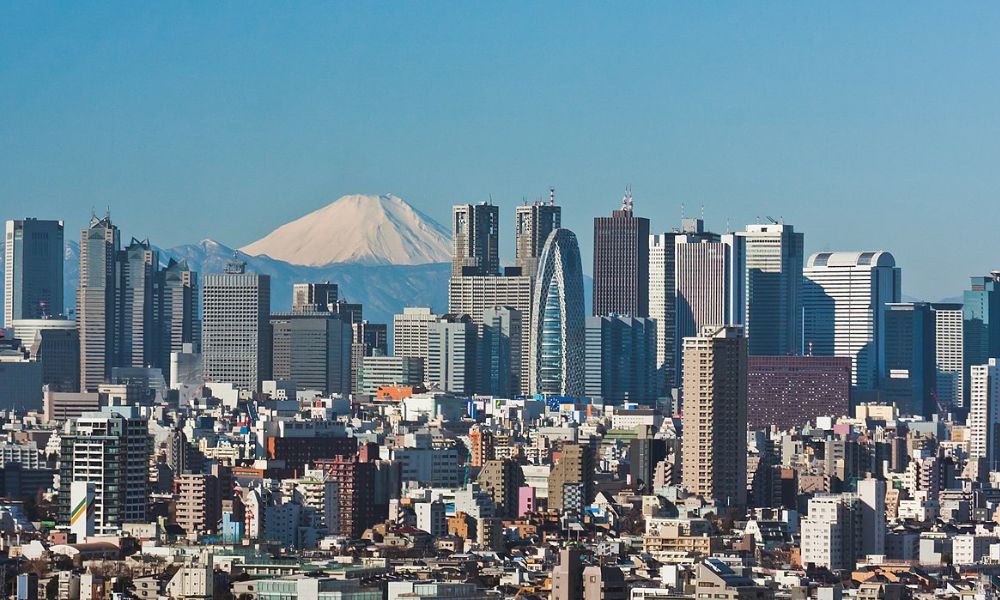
pixel 663 307
pixel 97 302
pixel 370 339
pixel 709 282
pixel 314 297
pixel 499 349
pixel 178 314
pixel 474 296
pixel 476 229
pixel 533 224
pixel 773 280
pixel 620 359
pixel 557 321
pixel 236 331
pixel 138 268
pixel 409 331
pixel 33 270
pixel 714 457
pixel 984 412
pixel 908 378
pixel 313 349
pixel 451 354
pixel 621 263
pixel 844 298
pixel 981 315
pixel 949 360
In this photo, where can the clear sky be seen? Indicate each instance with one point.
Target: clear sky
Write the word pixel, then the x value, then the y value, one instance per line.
pixel 866 125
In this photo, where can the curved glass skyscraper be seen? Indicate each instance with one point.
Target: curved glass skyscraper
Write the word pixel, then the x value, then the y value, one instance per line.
pixel 557 321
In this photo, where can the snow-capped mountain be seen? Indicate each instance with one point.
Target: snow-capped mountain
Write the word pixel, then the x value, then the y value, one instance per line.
pixel 361 229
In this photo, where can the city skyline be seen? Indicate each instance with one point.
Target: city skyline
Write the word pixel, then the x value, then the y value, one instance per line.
pixel 719 114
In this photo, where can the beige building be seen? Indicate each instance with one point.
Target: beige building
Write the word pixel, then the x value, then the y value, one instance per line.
pixel 197 503
pixel 575 466
pixel 714 454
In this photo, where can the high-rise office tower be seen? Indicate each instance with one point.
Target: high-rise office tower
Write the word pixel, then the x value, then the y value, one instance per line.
pixel 451 354
pixel 714 457
pixel 314 297
pixel 474 296
pixel 984 412
pixel 58 349
pixel 844 298
pixel 33 270
pixel 709 282
pixel 773 321
pixel 499 349
pixel 557 321
pixel 111 449
pixel 533 224
pixel 476 229
pixel 663 307
pixel 178 314
pixel 138 266
pixel 981 315
pixel 790 391
pixel 573 469
pixel 313 349
pixel 908 376
pixel 236 329
pixel 949 360
pixel 621 263
pixel 97 302
pixel 370 339
pixel 620 359
pixel 409 331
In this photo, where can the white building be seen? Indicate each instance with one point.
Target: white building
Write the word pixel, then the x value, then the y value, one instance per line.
pixel 663 306
pixel 949 353
pixel 409 331
pixel 984 412
pixel 842 528
pixel 844 299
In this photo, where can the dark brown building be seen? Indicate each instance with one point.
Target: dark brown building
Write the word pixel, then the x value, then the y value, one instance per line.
pixel 621 263
pixel 790 391
pixel 298 451
pixel 355 479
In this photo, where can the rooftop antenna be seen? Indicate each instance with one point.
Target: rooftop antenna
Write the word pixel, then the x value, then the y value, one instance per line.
pixel 552 196
pixel 631 202
pixel 682 211
pixel 702 212
pixel 625 199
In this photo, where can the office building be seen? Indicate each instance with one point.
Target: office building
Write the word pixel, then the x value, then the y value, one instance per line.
pixel 476 229
pixel 908 378
pixel 773 322
pixel 138 266
pixel 844 298
pixel 384 371
pixel 33 270
pixel 54 343
pixel 790 391
pixel 451 354
pixel 236 329
pixel 709 279
pixel 499 349
pixel 949 352
pixel 533 224
pixel 663 307
pixel 409 331
pixel 179 324
pixel 473 296
pixel 370 339
pixel 501 479
pixel 620 359
pixel 20 378
pixel 97 302
pixel 313 349
pixel 557 322
pixel 621 262
pixel 981 326
pixel 714 458
pixel 314 297
pixel 110 449
pixel 574 468
pixel 984 413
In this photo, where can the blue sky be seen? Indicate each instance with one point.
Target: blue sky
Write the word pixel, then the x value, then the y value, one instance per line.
pixel 866 125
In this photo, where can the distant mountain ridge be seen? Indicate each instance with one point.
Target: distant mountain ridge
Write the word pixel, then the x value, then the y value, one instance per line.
pixel 358 228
